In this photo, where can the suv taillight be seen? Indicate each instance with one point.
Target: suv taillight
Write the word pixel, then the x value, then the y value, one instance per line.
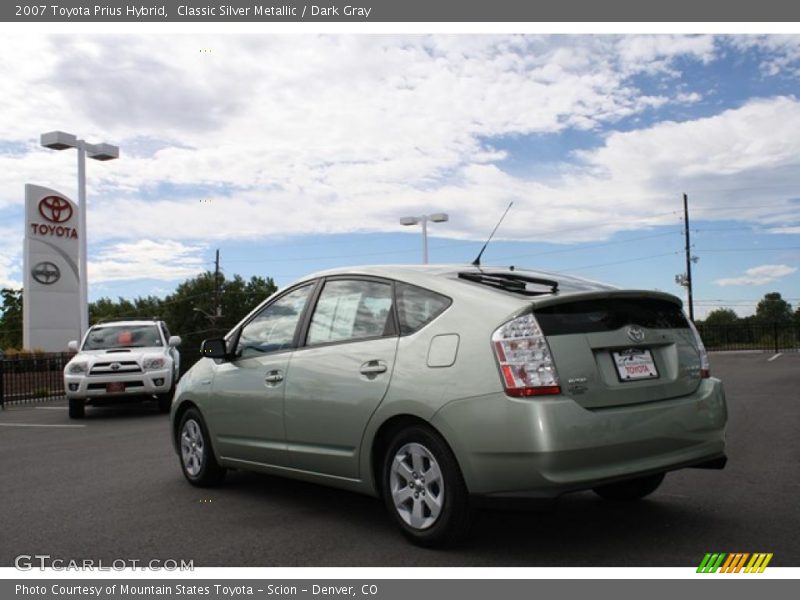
pixel 705 365
pixel 524 357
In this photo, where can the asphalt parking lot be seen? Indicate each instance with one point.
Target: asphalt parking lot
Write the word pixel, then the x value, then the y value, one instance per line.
pixel 109 487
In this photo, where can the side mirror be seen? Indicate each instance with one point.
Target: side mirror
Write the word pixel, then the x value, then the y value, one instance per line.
pixel 174 341
pixel 72 346
pixel 214 348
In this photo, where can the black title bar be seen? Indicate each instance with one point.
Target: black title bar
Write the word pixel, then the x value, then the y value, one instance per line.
pixel 376 11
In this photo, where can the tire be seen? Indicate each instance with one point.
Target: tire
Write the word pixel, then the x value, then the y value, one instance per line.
pixel 435 512
pixel 633 489
pixel 77 408
pixel 165 401
pixel 198 463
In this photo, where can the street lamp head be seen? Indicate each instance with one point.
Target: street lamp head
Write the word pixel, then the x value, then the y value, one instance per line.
pixel 58 140
pixel 409 220
pixel 102 151
pixel 439 217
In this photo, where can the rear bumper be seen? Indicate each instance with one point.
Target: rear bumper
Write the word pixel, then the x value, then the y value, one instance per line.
pixel 545 447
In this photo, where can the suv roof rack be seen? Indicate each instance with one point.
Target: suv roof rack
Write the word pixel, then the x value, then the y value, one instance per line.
pixel 116 319
pixel 510 282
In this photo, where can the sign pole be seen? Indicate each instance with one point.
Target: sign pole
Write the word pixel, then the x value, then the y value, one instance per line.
pixel 83 284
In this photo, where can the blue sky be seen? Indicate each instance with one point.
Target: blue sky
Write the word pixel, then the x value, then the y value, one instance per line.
pixel 293 154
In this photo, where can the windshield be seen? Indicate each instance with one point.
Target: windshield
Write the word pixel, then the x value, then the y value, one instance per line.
pixel 122 336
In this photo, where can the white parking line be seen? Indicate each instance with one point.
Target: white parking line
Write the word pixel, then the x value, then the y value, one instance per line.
pixel 51 407
pixel 38 425
pixel 774 357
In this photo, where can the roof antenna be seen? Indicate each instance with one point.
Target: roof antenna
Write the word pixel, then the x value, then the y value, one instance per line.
pixel 477 261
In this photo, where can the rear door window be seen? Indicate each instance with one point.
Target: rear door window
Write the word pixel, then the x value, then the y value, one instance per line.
pixel 351 310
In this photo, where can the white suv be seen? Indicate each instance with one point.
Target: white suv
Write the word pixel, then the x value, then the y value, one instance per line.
pixel 120 360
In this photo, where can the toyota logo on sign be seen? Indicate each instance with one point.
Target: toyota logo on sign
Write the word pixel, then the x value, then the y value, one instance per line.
pixel 46 273
pixel 636 333
pixel 55 209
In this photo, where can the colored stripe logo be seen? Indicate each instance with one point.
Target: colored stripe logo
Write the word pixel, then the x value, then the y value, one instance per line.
pixel 736 562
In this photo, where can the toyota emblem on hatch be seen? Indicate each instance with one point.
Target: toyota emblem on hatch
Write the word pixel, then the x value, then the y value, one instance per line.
pixel 635 333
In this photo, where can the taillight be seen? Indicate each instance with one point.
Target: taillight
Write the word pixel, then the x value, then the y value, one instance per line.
pixel 524 357
pixel 705 365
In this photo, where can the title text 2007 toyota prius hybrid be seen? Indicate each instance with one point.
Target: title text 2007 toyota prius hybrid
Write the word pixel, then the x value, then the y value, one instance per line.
pixel 441 388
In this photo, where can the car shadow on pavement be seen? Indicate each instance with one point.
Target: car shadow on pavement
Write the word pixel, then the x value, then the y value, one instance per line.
pixel 580 530
pixel 133 409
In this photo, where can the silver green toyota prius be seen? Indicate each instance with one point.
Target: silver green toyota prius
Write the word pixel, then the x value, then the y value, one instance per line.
pixel 443 388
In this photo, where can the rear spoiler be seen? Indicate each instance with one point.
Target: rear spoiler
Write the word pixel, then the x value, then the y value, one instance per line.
pixel 568 297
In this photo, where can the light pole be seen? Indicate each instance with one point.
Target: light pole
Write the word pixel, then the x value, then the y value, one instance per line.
pixel 434 218
pixel 60 140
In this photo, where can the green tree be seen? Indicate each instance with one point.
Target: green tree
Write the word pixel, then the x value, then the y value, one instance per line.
pixel 721 316
pixel 190 310
pixel 772 308
pixel 11 319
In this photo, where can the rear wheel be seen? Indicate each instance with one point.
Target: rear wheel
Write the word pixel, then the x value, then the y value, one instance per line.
pixel 198 462
pixel 77 408
pixel 423 488
pixel 633 489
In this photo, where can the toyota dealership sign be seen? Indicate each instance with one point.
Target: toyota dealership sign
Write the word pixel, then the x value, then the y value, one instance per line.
pixel 51 313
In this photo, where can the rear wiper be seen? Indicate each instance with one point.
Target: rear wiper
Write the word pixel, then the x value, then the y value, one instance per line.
pixel 511 282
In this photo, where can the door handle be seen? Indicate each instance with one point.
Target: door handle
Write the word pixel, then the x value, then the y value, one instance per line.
pixel 373 367
pixel 273 378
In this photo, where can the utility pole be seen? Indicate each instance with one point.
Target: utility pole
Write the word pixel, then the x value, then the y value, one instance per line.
pixel 217 307
pixel 688 256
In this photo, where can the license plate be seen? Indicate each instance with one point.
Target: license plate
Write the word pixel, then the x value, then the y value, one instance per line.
pixel 116 386
pixel 634 364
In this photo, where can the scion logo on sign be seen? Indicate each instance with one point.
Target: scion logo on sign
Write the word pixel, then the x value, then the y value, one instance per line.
pixel 46 273
pixel 635 333
pixel 55 209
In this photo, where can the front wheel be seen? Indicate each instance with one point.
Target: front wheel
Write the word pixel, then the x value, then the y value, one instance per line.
pixel 165 401
pixel 77 408
pixel 198 462
pixel 423 488
pixel 633 489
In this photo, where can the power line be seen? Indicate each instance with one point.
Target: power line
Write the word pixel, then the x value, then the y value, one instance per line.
pixel 619 262
pixel 748 249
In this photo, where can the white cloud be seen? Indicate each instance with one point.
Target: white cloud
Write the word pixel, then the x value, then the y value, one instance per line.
pixel 758 275
pixel 290 135
pixel 780 53
pixel 789 230
pixel 10 256
pixel 688 97
pixel 146 259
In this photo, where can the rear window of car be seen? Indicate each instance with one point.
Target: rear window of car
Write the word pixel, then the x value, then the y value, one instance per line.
pixel 416 307
pixel 609 314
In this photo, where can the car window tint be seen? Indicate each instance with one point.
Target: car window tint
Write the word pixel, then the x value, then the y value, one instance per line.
pixel 122 336
pixel 416 307
pixel 348 310
pixel 273 328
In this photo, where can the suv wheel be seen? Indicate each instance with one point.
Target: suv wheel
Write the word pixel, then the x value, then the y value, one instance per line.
pixel 633 489
pixel 165 401
pixel 77 408
pixel 423 488
pixel 198 463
